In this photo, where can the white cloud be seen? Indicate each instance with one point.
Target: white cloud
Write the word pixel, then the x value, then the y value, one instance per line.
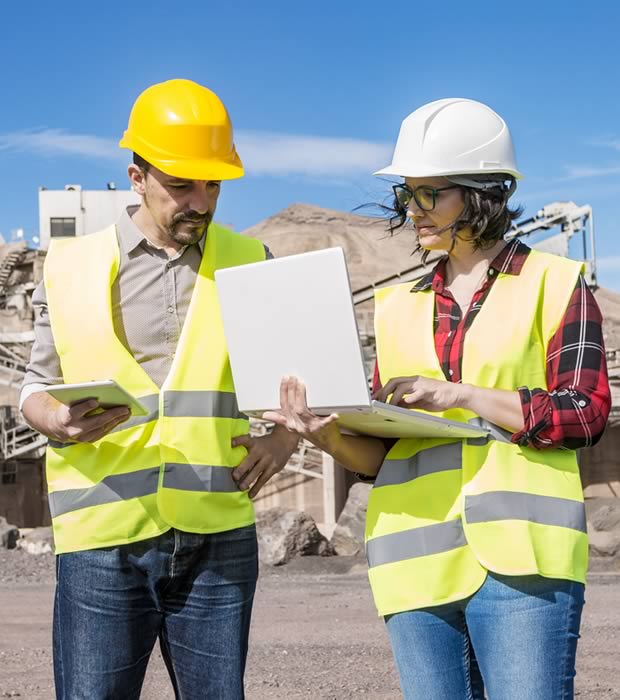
pixel 607 143
pixel 576 172
pixel 59 142
pixel 266 153
pixel 579 171
pixel 263 153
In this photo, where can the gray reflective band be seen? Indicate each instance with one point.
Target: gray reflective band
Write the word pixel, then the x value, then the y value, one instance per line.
pixel 419 542
pixel 199 477
pixel 179 404
pixel 435 459
pixel 152 404
pixel 121 487
pixel 513 505
pixel 118 487
pixel 201 404
pixel 495 432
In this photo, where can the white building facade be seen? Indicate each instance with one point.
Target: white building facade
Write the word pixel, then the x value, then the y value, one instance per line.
pixel 76 212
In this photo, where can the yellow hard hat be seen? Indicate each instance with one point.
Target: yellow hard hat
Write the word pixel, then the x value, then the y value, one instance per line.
pixel 184 130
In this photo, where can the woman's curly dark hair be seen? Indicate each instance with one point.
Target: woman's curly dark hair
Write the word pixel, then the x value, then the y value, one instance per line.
pixel 485 212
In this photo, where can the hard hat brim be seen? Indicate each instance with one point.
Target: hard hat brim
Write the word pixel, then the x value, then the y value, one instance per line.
pixel 423 171
pixel 200 169
pixel 187 168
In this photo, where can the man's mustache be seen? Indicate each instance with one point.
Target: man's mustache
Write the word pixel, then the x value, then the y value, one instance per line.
pixel 191 217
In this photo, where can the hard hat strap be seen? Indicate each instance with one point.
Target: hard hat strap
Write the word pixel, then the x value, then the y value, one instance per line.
pixel 505 183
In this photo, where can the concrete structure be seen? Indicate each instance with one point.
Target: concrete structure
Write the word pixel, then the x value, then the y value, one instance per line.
pixel 76 212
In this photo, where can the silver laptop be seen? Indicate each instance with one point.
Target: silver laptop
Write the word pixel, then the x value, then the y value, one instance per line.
pixel 294 316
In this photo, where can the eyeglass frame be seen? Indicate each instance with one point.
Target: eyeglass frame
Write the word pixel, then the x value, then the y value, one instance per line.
pixel 412 192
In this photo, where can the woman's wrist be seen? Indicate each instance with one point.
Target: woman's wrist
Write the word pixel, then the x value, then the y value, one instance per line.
pixel 328 439
pixel 466 394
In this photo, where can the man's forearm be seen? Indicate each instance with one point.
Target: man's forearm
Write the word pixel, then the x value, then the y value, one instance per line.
pixel 357 453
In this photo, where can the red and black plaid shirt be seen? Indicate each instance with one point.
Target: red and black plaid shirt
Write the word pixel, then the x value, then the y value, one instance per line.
pixel 572 411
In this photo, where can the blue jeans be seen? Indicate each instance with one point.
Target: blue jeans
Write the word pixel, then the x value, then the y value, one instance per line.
pixel 194 592
pixel 515 638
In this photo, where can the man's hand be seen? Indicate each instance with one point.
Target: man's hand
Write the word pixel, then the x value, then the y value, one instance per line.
pixel 422 392
pixel 71 423
pixel 266 456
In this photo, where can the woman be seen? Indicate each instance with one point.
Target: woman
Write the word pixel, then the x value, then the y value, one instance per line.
pixel 477 548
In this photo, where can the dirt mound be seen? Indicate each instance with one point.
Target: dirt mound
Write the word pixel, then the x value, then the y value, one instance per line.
pixel 372 253
pixel 610 306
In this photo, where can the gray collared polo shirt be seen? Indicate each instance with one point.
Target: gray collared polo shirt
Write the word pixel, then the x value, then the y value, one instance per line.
pixel 150 299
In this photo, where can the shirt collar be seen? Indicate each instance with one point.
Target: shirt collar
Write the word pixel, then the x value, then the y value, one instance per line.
pixel 509 261
pixel 130 237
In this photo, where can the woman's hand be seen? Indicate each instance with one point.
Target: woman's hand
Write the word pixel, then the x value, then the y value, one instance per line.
pixel 359 453
pixel 295 416
pixel 423 393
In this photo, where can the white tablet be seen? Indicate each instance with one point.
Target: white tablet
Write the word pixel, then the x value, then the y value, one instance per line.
pixel 107 392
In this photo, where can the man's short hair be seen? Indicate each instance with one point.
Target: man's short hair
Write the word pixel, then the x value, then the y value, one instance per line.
pixel 141 163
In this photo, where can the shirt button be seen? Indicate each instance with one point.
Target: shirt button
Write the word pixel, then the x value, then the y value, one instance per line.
pixel 170 309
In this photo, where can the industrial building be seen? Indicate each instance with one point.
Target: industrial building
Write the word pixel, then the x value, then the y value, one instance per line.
pixel 74 211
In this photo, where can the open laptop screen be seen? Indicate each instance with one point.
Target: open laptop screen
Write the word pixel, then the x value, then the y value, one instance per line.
pixel 293 316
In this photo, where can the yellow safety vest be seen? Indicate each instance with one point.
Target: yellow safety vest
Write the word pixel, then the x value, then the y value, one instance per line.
pixel 172 468
pixel 443 512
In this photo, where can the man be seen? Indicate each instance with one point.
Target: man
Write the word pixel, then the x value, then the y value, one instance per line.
pixel 153 520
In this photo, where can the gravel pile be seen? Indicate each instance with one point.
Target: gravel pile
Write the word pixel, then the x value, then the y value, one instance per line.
pixel 17 566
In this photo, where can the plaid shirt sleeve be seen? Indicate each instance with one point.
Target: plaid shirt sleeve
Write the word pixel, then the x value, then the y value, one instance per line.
pixel 573 411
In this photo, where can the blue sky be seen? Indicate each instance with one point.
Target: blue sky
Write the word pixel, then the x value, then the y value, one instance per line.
pixel 316 92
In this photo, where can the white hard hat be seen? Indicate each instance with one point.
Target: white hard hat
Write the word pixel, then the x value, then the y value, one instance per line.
pixel 454 136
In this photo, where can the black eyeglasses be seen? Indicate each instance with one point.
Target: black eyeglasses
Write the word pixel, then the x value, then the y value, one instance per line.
pixel 424 196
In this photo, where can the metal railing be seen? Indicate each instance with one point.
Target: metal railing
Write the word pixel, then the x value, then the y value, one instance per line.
pixel 12 260
pixel 17 438
pixel 11 360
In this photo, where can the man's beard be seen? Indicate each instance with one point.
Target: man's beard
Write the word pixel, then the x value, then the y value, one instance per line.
pixel 192 235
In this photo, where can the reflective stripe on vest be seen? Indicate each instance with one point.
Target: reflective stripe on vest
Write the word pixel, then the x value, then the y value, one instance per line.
pixel 512 505
pixel 199 477
pixel 487 507
pixel 122 487
pixel 117 487
pixel 418 542
pixel 180 404
pixel 201 404
pixel 435 459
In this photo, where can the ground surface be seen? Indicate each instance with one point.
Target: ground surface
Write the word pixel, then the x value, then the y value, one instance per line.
pixel 315 634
